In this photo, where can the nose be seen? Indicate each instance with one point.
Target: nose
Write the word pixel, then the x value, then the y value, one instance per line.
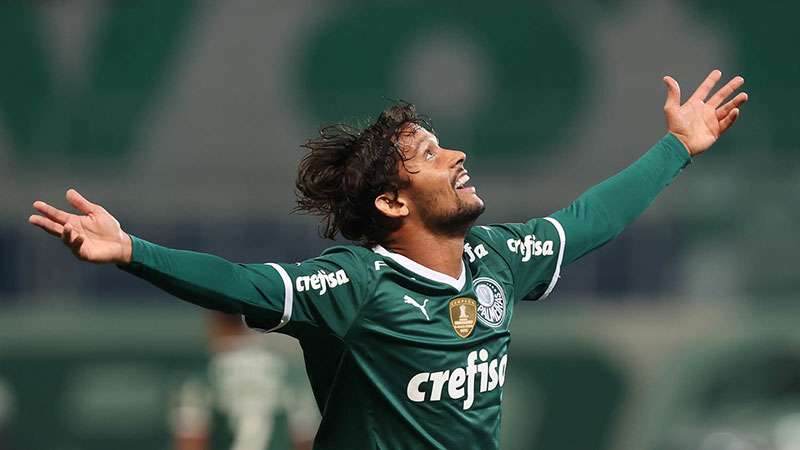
pixel 458 157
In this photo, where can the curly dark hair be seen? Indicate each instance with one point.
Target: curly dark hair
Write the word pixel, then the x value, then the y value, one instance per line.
pixel 346 168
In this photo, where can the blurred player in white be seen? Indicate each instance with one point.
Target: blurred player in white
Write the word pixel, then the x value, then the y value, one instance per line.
pixel 253 396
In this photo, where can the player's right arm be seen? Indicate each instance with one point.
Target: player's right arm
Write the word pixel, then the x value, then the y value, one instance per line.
pixel 269 296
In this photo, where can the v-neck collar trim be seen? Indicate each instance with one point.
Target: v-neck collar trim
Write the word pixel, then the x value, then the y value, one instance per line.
pixel 426 272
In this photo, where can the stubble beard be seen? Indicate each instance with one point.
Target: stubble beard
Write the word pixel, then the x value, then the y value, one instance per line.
pixel 455 223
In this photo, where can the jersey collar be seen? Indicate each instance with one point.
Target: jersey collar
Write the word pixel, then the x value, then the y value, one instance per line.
pixel 426 272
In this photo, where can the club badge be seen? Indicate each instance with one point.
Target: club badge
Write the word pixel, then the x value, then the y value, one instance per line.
pixel 491 301
pixel 463 315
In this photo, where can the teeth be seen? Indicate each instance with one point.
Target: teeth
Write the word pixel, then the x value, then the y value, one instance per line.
pixel 462 180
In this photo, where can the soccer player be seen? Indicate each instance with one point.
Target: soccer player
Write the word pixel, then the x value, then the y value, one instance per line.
pixel 248 397
pixel 405 335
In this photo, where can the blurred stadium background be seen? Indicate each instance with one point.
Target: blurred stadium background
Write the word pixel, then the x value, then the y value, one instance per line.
pixel 184 119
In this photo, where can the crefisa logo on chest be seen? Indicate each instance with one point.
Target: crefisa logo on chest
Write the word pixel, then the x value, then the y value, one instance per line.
pixel 491 301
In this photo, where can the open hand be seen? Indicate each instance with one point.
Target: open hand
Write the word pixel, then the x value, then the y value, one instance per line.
pixel 698 123
pixel 95 236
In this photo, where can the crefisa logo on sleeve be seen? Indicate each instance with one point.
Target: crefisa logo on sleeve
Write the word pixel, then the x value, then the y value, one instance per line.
pixel 491 301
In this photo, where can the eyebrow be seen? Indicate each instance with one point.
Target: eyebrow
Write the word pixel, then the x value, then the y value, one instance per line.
pixel 419 141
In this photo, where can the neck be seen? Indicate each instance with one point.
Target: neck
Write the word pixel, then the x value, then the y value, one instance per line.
pixel 436 252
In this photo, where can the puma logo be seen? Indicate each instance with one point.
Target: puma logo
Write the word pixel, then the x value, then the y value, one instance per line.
pixel 414 303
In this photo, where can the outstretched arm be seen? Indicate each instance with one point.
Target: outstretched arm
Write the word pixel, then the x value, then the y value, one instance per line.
pixel 602 212
pixel 324 293
pixel 96 236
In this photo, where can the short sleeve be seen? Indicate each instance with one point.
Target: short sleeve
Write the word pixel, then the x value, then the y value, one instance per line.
pixel 533 250
pixel 324 294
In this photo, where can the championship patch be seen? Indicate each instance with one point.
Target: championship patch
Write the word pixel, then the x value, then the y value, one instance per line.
pixel 463 315
pixel 491 301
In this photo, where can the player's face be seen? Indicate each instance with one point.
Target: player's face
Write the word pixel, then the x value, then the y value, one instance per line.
pixel 439 190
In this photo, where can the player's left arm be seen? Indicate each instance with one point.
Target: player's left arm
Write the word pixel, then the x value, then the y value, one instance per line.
pixel 602 212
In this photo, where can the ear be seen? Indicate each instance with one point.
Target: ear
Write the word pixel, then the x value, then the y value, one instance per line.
pixel 391 205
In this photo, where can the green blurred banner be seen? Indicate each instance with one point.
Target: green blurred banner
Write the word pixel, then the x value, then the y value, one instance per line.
pixel 484 74
pixel 98 117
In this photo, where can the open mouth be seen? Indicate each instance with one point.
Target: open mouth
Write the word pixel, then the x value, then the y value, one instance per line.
pixel 461 181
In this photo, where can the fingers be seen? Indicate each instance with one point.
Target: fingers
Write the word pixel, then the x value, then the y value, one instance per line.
pixel 725 91
pixel 80 203
pixel 72 239
pixel 76 245
pixel 726 123
pixel 736 102
pixel 52 213
pixel 66 234
pixel 46 224
pixel 70 235
pixel 705 87
pixel 673 93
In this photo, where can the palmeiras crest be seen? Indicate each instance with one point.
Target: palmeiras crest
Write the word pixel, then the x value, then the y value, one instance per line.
pixel 491 301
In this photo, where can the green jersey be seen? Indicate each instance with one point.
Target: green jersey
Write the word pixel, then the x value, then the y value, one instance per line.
pixel 401 356
pixel 392 347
